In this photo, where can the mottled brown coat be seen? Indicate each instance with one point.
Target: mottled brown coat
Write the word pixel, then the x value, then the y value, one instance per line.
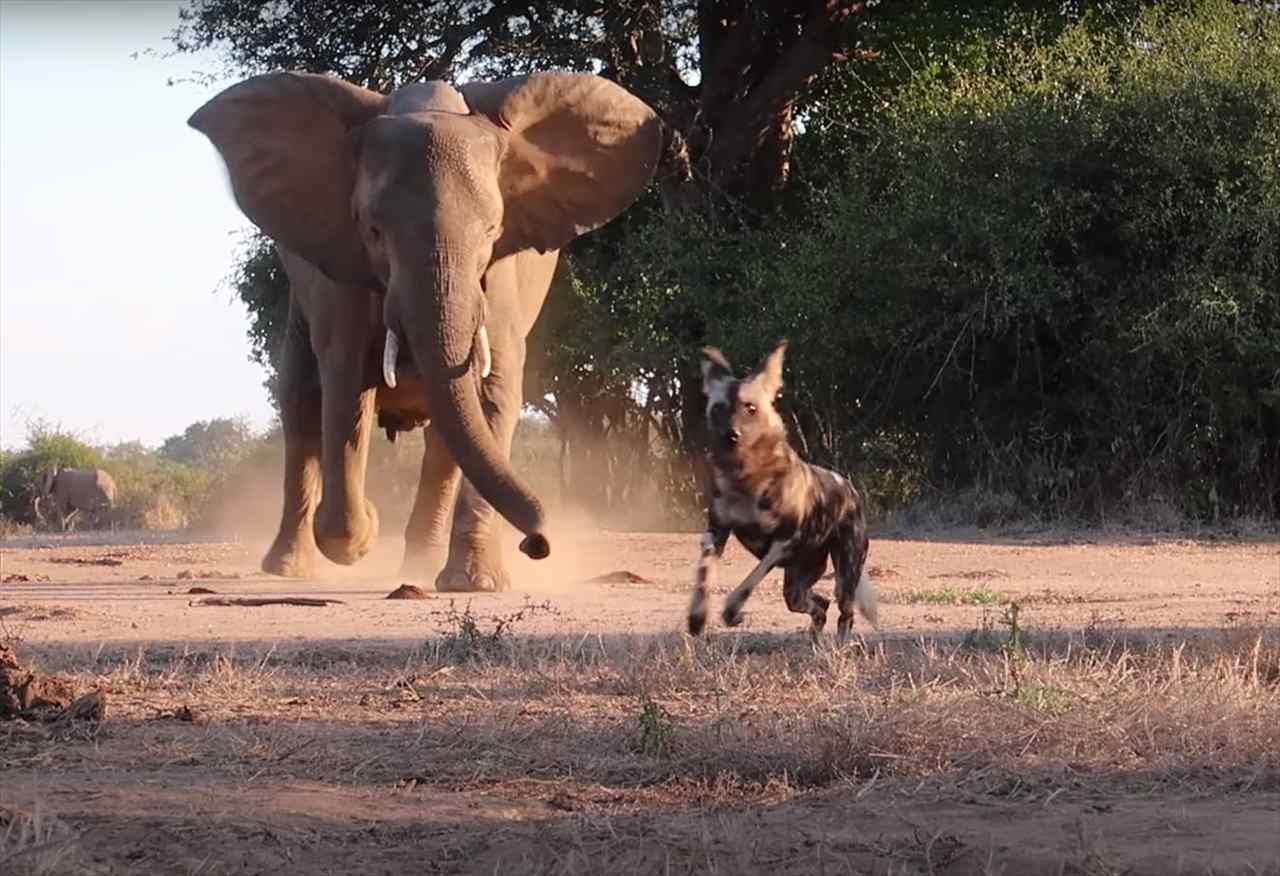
pixel 788 513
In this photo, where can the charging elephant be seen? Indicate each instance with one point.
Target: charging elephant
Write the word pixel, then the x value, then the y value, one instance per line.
pixel 72 490
pixel 420 231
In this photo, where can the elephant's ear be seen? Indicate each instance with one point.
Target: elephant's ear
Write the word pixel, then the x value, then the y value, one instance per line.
pixel 287 141
pixel 580 150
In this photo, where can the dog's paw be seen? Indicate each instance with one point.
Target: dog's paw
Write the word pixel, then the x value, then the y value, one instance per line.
pixel 732 615
pixel 697 622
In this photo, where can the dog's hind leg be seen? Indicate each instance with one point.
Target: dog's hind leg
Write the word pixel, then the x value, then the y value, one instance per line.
pixel 854 589
pixel 713 542
pixel 797 589
pixel 733 605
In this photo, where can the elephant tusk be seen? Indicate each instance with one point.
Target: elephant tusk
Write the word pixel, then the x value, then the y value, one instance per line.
pixel 389 354
pixel 486 355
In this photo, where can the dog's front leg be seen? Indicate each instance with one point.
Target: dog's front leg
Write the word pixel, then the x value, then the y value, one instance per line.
pixel 713 542
pixel 733 605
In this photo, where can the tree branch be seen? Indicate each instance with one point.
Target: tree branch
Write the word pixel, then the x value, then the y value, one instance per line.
pixel 818 45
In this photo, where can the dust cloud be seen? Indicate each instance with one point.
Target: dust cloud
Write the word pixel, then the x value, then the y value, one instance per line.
pixel 245 508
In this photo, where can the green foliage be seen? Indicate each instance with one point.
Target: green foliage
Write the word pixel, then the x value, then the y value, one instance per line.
pixel 1050 271
pixel 49 446
pixel 952 596
pixel 1027 251
pixel 1065 271
pixel 656 733
pixel 986 637
pixel 259 281
pixel 152 491
pixel 466 640
pixel 213 445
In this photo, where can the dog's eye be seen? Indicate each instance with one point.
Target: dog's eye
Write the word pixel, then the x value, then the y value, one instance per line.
pixel 751 409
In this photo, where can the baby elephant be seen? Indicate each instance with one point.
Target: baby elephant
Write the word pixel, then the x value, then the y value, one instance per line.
pixel 786 512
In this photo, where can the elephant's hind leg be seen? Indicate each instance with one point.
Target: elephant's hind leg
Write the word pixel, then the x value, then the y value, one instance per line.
pixel 426 537
pixel 293 554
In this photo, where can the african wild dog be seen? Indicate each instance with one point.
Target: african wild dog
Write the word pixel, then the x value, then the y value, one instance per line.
pixel 786 512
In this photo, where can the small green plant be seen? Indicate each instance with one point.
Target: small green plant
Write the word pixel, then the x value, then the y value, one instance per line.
pixel 1044 698
pixel 985 637
pixel 953 596
pixel 656 730
pixel 1015 657
pixel 1013 644
pixel 466 640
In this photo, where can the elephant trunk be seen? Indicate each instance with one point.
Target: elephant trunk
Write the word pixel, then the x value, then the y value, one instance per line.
pixel 446 340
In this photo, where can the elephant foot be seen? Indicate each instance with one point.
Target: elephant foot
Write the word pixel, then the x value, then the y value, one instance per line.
pixel 292 562
pixel 422 562
pixel 475 571
pixel 346 544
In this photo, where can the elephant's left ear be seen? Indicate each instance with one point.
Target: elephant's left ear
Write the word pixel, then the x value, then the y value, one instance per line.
pixel 580 150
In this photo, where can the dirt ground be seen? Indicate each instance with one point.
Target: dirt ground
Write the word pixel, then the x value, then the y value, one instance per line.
pixel 1124 718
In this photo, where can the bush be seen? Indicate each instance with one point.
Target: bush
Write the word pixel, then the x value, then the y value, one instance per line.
pixel 1064 270
pixel 213 445
pixel 153 492
pixel 1051 273
pixel 48 446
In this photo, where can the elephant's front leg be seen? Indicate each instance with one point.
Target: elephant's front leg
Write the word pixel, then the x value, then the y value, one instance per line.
pixel 426 537
pixel 346 522
pixel 475 546
pixel 293 553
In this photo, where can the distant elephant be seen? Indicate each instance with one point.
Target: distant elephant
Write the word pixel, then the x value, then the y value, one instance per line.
pixel 72 490
pixel 420 232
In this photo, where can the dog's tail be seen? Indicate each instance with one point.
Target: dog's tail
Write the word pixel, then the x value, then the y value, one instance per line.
pixel 864 598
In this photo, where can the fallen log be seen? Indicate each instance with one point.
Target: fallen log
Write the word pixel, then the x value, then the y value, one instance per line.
pixel 254 602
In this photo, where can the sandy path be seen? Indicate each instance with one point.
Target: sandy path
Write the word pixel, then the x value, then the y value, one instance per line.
pixel 319 765
pixel 63 594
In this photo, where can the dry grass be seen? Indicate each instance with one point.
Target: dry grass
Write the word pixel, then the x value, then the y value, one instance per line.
pixel 738 715
pixel 650 753
pixel 33 843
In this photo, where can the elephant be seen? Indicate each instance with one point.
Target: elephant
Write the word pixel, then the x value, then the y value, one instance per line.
pixel 73 490
pixel 419 231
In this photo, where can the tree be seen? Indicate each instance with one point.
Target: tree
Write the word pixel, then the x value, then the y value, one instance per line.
pixel 213 445
pixel 726 76
pixel 797 129
pixel 1058 268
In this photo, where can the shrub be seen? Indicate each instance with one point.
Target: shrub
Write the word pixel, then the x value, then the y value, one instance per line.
pixel 153 492
pixel 48 446
pixel 1053 276
pixel 1076 256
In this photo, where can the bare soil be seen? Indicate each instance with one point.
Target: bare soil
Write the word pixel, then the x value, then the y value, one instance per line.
pixel 1059 703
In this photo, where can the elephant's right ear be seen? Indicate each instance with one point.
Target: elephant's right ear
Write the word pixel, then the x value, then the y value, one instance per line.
pixel 287 141
pixel 579 150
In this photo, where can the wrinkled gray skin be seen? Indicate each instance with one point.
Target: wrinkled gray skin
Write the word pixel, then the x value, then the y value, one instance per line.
pixel 69 491
pixel 428 214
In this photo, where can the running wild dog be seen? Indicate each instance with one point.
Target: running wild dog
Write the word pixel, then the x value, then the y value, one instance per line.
pixel 786 512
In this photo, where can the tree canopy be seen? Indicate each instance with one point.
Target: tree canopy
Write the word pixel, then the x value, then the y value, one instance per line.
pixel 1023 247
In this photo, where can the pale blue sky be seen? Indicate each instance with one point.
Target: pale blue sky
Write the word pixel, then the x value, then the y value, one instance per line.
pixel 116 230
